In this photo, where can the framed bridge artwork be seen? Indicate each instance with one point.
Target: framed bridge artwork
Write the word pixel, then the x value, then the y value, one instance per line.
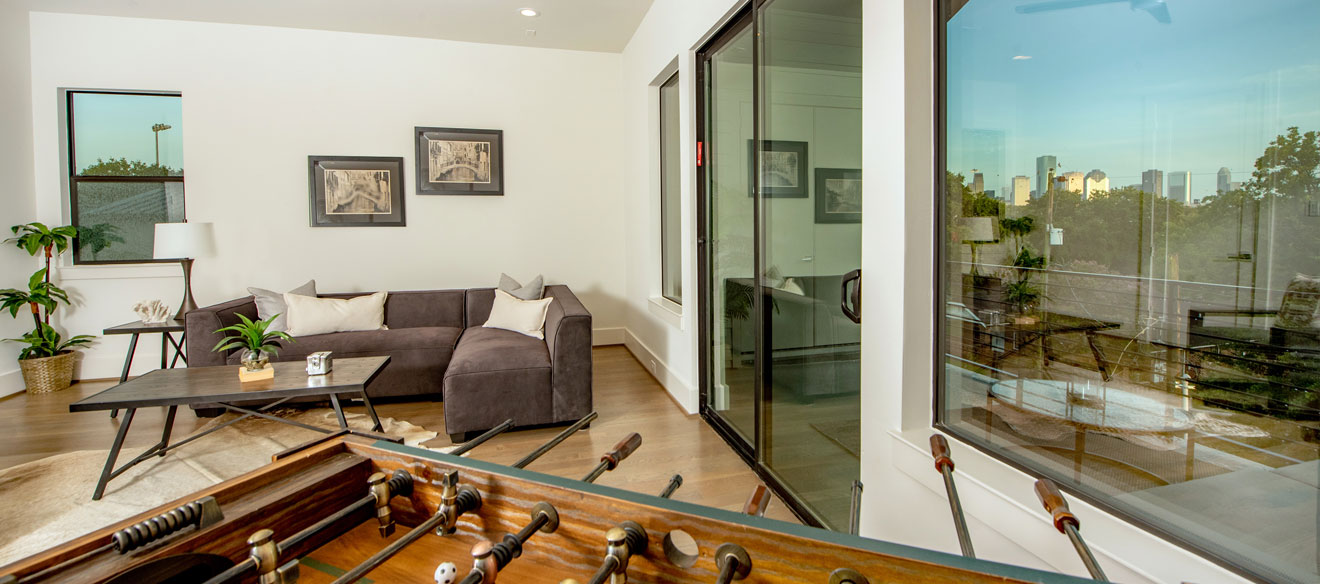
pixel 454 161
pixel 355 191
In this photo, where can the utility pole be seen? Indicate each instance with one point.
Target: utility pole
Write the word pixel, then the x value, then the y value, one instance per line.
pixel 157 129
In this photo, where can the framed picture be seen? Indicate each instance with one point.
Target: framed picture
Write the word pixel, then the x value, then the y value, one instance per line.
pixel 355 191
pixel 838 195
pixel 783 168
pixel 452 161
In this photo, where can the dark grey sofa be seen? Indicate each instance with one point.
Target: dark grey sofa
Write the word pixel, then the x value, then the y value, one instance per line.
pixel 438 348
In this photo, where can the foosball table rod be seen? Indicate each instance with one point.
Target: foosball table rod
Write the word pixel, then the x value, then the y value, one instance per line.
pixel 675 482
pixel 610 460
pixel 489 558
pixel 939 448
pixel 623 541
pixel 1067 524
pixel 455 500
pixel 560 437
pixel 733 562
pixel 855 508
pixel 462 449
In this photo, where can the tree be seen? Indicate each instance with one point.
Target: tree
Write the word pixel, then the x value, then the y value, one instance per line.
pixel 96 238
pixel 1288 167
pixel 125 167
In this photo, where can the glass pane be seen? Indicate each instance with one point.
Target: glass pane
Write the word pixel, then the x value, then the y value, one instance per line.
pixel 731 234
pixel 118 134
pixel 1131 276
pixel 670 194
pixel 117 220
pixel 811 150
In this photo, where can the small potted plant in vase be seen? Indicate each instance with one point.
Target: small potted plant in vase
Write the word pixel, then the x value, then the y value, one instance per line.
pixel 1019 290
pixel 258 344
pixel 48 359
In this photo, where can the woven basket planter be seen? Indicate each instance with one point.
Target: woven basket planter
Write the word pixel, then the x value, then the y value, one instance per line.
pixel 47 374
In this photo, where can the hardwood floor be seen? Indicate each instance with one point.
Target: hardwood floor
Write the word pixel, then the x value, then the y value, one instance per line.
pixel 627 398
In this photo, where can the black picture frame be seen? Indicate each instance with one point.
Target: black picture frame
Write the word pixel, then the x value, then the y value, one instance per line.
pixel 479 169
pixel 838 195
pixel 376 184
pixel 790 159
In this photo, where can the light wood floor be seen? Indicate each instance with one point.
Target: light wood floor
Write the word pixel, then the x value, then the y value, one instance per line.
pixel 627 398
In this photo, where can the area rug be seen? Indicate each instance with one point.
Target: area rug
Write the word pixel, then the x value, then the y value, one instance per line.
pixel 47 502
pixel 847 434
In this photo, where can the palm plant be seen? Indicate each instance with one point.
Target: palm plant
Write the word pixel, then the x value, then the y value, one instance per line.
pixel 96 238
pixel 255 338
pixel 41 297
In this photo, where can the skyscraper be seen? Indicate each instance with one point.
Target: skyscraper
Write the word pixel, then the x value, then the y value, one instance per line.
pixel 1069 181
pixel 978 181
pixel 1152 181
pixel 1225 180
pixel 1043 166
pixel 1180 186
pixel 1021 193
pixel 1096 180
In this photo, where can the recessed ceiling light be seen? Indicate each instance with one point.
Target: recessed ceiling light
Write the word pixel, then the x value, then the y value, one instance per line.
pixel 528 12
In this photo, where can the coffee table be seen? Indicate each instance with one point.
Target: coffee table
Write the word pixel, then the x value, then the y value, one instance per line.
pixel 220 386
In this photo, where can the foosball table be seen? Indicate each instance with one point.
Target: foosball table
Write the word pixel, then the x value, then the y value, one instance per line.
pixel 350 509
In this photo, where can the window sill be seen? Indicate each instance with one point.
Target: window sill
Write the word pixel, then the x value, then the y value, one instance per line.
pixel 119 271
pixel 669 311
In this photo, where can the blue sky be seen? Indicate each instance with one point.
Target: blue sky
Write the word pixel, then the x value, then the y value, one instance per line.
pixel 1111 88
pixel 119 126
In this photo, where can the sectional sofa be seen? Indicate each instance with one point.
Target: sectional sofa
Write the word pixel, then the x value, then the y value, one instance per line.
pixel 438 349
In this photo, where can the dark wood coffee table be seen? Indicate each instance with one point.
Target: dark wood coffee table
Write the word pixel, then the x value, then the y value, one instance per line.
pixel 220 386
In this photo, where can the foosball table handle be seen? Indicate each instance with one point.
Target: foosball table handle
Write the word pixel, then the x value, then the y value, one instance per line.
pixel 622 450
pixel 733 562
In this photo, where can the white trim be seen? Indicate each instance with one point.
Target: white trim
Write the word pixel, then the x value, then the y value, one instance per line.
pixel 682 393
pixel 607 336
pixel 11 382
pixel 119 271
pixel 667 310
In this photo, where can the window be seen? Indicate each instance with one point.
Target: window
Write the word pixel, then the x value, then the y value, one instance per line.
pixel 671 257
pixel 1128 264
pixel 125 172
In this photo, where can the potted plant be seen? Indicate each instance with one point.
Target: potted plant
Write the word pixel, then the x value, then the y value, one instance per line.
pixel 1019 290
pixel 48 359
pixel 258 343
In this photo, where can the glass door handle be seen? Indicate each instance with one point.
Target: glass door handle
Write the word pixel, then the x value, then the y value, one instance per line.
pixel 855 313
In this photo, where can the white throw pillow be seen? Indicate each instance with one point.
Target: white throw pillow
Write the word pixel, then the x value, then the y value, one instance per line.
pixel 315 316
pixel 520 316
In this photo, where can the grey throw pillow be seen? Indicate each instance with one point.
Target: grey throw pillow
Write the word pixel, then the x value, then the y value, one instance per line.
pixel 271 303
pixel 532 291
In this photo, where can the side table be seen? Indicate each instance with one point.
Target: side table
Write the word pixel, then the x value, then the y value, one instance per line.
pixel 166 330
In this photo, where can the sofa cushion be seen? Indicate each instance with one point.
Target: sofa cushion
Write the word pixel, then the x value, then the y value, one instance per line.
pixel 441 339
pixel 483 349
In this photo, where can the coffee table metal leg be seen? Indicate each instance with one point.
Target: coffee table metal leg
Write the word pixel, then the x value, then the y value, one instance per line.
pixel 371 411
pixel 114 453
pixel 128 363
pixel 339 411
pixel 169 426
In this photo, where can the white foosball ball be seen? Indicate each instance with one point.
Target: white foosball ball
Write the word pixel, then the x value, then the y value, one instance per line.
pixel 446 573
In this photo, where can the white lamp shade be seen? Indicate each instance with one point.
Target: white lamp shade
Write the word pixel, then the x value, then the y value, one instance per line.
pixel 183 240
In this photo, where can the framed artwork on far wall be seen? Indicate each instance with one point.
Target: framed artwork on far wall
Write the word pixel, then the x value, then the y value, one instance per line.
pixel 454 161
pixel 783 168
pixel 838 195
pixel 355 191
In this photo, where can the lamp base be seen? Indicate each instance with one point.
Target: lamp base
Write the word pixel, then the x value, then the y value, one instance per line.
pixel 188 304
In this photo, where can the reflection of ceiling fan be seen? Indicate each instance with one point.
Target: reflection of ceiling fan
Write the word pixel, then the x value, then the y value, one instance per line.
pixel 1156 8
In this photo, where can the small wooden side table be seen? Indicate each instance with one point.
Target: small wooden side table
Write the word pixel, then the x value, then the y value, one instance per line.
pixel 166 330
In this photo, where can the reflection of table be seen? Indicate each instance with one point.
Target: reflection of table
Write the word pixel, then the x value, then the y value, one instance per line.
pixel 165 329
pixel 220 385
pixel 1019 336
pixel 1099 408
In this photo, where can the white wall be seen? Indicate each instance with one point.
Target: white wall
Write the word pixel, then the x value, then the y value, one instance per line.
pixel 16 200
pixel 258 100
pixel 904 497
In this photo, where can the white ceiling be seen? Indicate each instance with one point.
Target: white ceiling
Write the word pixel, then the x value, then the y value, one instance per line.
pixel 586 25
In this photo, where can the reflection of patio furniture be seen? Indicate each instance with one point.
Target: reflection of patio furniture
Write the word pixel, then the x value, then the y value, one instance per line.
pixel 1093 408
pixel 1018 337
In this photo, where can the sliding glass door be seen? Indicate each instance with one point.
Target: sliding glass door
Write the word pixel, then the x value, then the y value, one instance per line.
pixel 782 95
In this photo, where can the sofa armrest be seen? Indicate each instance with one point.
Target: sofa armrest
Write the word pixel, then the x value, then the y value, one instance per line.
pixel 202 323
pixel 568 338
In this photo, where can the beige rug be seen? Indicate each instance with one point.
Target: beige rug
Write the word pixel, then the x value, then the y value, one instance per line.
pixel 48 501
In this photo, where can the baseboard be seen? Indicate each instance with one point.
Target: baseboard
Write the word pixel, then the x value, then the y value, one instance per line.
pixel 679 390
pixel 607 336
pixel 11 382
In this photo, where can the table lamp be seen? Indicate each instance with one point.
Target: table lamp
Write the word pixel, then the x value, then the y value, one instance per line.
pixel 184 242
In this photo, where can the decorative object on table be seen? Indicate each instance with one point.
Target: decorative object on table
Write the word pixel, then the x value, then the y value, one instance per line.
pixel 47 360
pixel 783 168
pixel 838 195
pixel 319 363
pixel 184 242
pixel 355 191
pixel 455 161
pixel 534 289
pixel 258 344
pixel 271 304
pixel 152 312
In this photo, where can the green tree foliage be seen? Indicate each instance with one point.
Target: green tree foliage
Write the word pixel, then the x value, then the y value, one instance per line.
pixel 125 167
pixel 96 238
